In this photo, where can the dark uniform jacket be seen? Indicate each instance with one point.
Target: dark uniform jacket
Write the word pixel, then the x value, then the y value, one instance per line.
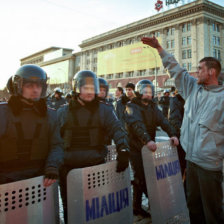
pixel 120 108
pixel 165 103
pixel 176 112
pixel 29 141
pixel 85 128
pixel 142 121
pixel 56 103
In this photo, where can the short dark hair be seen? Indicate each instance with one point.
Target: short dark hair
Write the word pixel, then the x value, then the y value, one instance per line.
pixel 120 89
pixel 130 85
pixel 211 62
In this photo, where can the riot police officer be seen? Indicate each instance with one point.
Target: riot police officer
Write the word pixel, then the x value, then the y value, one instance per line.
pixel 104 90
pixel 85 123
pixel 30 142
pixel 142 117
pixel 57 99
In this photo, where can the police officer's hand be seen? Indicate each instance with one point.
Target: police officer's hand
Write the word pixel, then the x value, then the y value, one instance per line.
pixel 51 176
pixel 49 182
pixel 174 141
pixel 122 160
pixel 151 145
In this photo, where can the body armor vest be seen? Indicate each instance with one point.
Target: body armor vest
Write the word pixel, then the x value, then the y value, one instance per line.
pixel 83 137
pixel 149 120
pixel 25 140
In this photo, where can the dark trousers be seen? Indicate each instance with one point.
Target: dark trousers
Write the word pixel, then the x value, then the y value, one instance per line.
pixel 139 184
pixel 204 195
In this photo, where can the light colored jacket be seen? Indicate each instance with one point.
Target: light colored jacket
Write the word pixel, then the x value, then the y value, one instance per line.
pixel 202 131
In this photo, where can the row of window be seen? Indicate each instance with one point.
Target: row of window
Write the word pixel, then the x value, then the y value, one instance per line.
pixel 187 66
pixel 130 74
pixel 186 54
pixel 186 41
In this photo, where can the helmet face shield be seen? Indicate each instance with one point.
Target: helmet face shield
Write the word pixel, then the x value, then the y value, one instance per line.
pixel 86 82
pixel 145 87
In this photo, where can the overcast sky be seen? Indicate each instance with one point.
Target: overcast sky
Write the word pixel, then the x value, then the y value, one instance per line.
pixel 29 26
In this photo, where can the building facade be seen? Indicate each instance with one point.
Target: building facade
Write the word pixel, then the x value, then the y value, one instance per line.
pixel 189 32
pixel 59 63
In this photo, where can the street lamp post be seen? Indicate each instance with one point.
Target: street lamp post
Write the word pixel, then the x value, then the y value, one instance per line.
pixel 155 67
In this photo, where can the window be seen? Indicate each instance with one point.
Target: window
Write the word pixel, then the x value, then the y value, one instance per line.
pixel 214 53
pixel 172 31
pixel 189 53
pixel 130 74
pixel 141 73
pixel 184 29
pixel 189 27
pixel 184 54
pixel 214 40
pixel 157 34
pixel 189 66
pixel 168 32
pixel 168 44
pixel 218 41
pixel 109 76
pixel 216 27
pixel 189 40
pixel 119 75
pixel 219 55
pixel 184 41
pixel 172 43
pixel 184 65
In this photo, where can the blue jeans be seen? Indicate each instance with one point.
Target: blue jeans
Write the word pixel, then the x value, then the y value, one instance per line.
pixel 204 195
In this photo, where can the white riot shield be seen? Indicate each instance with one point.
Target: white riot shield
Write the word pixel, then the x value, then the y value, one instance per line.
pixel 99 195
pixel 164 185
pixel 112 153
pixel 28 202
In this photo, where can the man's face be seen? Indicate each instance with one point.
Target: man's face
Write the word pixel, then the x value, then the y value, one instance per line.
pixel 203 74
pixel 103 93
pixel 166 94
pixel 32 91
pixel 147 93
pixel 118 93
pixel 129 92
pixel 87 92
pixel 56 95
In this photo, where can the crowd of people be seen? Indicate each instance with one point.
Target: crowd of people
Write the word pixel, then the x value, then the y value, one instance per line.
pixel 52 135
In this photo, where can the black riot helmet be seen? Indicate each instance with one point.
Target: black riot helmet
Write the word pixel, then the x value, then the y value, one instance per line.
pixel 103 83
pixel 143 84
pixel 27 74
pixel 58 91
pixel 85 77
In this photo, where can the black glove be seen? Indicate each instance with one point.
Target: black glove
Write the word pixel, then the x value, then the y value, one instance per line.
pixel 122 160
pixel 51 173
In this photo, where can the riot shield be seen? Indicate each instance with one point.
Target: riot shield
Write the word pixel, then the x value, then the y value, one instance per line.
pixel 112 153
pixel 28 201
pixel 99 195
pixel 164 185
